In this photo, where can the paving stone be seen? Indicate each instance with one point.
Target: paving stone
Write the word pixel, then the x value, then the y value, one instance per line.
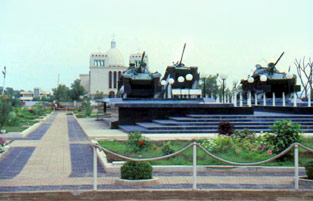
pixel 14 161
pixel 75 133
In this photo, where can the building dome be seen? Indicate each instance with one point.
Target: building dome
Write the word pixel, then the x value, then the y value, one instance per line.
pixel 115 57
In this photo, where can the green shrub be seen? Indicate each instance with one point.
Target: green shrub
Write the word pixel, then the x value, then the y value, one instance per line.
pixel 25 113
pixel 80 115
pixel 208 144
pixel 87 107
pixel 225 128
pixel 284 134
pixel 243 134
pixel 136 142
pixel 167 148
pixel 38 109
pixel 136 170
pixel 13 119
pixel 309 169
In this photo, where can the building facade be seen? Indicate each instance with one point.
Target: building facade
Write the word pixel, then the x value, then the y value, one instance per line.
pixel 105 70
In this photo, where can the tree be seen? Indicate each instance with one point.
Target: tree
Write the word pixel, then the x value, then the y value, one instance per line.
pixel 305 72
pixel 211 86
pixel 77 90
pixel 61 93
pixel 5 108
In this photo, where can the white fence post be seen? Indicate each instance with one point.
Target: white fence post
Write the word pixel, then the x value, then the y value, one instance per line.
pixel 284 100
pixel 296 167
pixel 294 99
pixel 94 168
pixel 194 164
pixel 235 99
pixel 274 101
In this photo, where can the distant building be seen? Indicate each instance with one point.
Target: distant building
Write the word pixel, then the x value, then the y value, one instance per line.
pixel 29 95
pixel 136 58
pixel 105 70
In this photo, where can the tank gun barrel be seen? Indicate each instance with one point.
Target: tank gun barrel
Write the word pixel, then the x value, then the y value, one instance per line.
pixel 278 59
pixel 140 70
pixel 181 59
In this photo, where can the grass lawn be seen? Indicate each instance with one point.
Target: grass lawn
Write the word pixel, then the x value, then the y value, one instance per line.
pixel 202 159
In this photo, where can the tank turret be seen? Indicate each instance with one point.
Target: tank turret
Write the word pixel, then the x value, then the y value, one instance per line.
pixel 138 82
pixel 269 79
pixel 178 70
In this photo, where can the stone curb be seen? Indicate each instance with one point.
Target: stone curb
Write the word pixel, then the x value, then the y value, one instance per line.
pixel 153 194
pixel 142 182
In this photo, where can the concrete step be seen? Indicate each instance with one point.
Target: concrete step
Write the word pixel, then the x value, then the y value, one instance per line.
pixel 149 125
pixel 130 129
pixel 271 122
pixel 238 119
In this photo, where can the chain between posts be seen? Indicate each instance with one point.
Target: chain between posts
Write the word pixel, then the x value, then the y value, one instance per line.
pixel 194 145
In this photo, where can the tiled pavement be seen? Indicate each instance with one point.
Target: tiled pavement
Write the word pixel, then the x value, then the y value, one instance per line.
pixel 14 161
pixel 62 160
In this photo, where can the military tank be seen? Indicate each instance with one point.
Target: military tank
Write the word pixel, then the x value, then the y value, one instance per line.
pixel 269 79
pixel 185 77
pixel 138 82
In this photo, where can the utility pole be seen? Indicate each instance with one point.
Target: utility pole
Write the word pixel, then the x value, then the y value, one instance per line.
pixel 4 72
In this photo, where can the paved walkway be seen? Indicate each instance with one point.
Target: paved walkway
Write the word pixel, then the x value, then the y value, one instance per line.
pixel 61 159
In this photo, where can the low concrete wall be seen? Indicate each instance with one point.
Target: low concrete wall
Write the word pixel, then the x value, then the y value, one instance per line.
pixel 162 195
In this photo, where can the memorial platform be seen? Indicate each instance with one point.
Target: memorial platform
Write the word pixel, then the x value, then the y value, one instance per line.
pixel 133 111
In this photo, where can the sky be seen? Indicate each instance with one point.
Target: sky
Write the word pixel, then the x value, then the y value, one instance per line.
pixel 40 39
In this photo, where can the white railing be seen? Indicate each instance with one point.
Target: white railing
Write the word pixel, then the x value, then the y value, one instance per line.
pixel 96 146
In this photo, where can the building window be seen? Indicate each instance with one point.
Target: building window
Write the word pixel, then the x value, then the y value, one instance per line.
pixel 110 79
pixel 115 75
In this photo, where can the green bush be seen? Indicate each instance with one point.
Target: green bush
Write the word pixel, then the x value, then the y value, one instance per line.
pixel 284 134
pixel 208 144
pixel 309 169
pixel 136 170
pixel 25 113
pixel 87 107
pixel 13 119
pixel 243 134
pixel 225 128
pixel 38 109
pixel 167 148
pixel 136 142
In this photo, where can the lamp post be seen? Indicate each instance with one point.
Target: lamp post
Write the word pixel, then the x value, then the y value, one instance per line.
pixel 289 76
pixel 163 83
pixel 250 81
pixel 180 79
pixel 189 78
pixel 4 75
pixel 235 82
pixel 263 78
pixel 169 88
pixel 223 77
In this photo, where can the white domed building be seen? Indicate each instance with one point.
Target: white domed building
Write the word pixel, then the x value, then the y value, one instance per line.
pixel 105 71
